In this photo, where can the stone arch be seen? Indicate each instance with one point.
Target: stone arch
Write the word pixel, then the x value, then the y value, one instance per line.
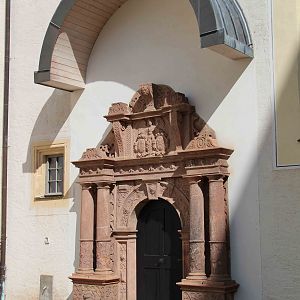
pixel 165 190
pixel 76 25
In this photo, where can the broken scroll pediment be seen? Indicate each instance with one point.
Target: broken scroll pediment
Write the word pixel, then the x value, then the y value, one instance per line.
pixel 158 121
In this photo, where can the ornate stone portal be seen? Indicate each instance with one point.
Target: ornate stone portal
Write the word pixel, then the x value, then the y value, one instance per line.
pixel 158 148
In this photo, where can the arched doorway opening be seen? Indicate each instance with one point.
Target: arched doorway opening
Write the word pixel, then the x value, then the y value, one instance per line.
pixel 159 252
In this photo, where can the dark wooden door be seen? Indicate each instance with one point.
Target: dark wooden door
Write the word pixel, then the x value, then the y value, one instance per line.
pixel 159 252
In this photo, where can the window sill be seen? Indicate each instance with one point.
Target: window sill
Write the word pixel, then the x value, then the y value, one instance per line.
pixel 49 197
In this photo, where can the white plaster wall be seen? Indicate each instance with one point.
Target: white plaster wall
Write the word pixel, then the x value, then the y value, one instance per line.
pixel 151 41
pixel 36 113
pixel 279 189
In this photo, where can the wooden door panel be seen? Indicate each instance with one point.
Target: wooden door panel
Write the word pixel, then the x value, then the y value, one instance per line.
pixel 159 256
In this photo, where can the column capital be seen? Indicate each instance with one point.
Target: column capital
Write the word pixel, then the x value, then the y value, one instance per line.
pixel 193 179
pixel 86 185
pixel 216 177
pixel 104 184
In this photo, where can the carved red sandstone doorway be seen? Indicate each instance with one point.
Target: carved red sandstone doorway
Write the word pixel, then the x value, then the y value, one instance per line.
pixel 158 148
pixel 159 252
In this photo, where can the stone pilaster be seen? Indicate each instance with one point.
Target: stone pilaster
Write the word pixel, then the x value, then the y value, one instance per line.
pixel 126 241
pixel 86 230
pixel 104 245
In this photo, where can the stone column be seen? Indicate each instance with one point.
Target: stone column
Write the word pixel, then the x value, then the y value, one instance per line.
pixel 218 229
pixel 86 230
pixel 104 246
pixel 197 235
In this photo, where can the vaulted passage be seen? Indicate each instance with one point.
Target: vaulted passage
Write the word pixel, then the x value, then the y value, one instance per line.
pixel 159 252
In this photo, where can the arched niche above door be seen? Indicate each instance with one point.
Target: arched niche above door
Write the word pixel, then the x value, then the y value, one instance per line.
pixel 76 25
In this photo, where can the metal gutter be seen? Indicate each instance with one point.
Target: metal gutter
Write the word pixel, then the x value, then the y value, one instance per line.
pixel 5 148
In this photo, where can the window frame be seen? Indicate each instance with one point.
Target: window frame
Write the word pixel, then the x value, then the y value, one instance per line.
pixel 41 152
pixel 48 180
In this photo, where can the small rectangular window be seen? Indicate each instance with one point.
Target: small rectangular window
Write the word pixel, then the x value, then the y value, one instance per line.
pixel 54 175
pixel 50 170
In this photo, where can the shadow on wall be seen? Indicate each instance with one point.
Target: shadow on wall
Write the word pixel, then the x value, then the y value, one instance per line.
pixel 140 45
pixel 52 120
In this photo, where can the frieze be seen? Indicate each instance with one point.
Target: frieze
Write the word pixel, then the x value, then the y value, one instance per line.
pixel 90 171
pixel 148 169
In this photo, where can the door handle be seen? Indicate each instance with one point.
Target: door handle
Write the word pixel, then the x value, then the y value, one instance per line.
pixel 160 262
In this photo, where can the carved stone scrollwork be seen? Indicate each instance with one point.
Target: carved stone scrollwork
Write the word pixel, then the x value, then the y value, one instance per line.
pixel 202 296
pixel 112 208
pixel 151 96
pixel 154 190
pixel 203 136
pixel 119 108
pixel 103 151
pixel 203 140
pixel 135 197
pixel 95 292
pixel 195 253
pixel 86 254
pixel 123 273
pixel 105 255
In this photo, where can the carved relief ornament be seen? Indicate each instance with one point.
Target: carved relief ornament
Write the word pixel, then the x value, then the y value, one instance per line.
pixel 158 121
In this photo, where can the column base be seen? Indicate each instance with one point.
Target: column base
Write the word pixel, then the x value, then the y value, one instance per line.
pixel 196 276
pixel 94 286
pixel 208 290
pixel 85 271
pixel 104 272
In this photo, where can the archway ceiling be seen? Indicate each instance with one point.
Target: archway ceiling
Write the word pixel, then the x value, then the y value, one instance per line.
pixel 76 25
